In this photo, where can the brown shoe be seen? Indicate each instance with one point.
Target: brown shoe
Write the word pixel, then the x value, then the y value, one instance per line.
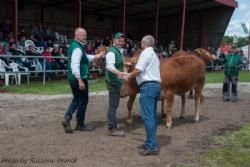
pixel 116 132
pixel 67 127
pixel 83 128
pixel 147 152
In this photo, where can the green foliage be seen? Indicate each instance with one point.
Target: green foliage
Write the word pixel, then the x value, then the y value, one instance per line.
pixel 238 41
pixel 228 39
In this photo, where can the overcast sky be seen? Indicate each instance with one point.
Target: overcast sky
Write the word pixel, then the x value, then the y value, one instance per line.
pixel 241 15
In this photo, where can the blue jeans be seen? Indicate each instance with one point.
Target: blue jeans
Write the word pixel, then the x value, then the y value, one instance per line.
pixel 149 93
pixel 79 102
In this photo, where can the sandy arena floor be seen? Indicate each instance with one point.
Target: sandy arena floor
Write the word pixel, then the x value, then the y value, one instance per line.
pixel 31 134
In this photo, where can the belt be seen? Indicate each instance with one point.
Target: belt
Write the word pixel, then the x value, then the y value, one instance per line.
pixel 148 82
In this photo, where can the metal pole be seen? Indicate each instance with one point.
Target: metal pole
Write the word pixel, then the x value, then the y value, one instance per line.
pixel 183 23
pixel 44 73
pixel 79 13
pixel 124 16
pixel 248 60
pixel 156 20
pixel 15 19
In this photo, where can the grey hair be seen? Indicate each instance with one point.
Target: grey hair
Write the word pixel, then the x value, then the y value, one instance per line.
pixel 149 40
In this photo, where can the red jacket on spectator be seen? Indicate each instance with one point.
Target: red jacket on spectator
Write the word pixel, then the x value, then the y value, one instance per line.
pixel 47 55
pixel 2 51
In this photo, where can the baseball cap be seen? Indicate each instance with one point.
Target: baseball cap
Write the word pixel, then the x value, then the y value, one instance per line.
pixel 118 35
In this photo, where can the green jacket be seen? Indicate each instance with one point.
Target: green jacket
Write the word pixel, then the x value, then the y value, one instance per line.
pixel 84 63
pixel 232 64
pixel 109 76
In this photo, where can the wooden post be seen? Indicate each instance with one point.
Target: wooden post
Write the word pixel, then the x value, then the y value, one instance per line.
pixel 183 20
pixel 79 14
pixel 124 16
pixel 156 20
pixel 15 19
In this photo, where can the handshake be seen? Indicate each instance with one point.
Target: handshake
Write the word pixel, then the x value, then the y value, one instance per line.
pixel 123 75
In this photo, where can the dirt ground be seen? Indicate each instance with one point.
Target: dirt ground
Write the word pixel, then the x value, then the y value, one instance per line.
pixel 31 134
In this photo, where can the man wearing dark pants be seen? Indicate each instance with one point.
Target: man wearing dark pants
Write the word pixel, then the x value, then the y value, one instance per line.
pixel 231 70
pixel 78 73
pixel 147 73
pixel 113 75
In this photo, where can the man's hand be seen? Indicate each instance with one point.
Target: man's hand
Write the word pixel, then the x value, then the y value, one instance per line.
pixel 81 84
pixel 100 55
pixel 126 77
pixel 120 74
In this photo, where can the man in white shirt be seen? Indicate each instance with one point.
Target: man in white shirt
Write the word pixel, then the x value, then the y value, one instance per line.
pixel 113 77
pixel 78 74
pixel 147 73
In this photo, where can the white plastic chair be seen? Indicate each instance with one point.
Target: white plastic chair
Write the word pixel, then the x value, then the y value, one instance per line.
pixel 5 74
pixel 15 67
pixel 28 42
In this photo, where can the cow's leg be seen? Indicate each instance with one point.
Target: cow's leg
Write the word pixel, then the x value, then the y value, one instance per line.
pixel 130 103
pixel 170 101
pixel 162 99
pixel 163 114
pixel 190 95
pixel 183 102
pixel 197 104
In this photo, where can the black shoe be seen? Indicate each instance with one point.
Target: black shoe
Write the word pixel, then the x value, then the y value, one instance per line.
pixel 147 152
pixel 83 128
pixel 141 147
pixel 67 127
pixel 116 132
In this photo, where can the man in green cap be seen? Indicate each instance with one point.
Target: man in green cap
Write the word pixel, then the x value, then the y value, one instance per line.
pixel 113 77
pixel 231 71
pixel 78 73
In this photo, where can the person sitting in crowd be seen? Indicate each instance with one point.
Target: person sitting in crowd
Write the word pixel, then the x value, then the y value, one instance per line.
pixel 49 61
pixel 89 49
pixel 15 52
pixel 2 50
pixel 60 65
pixel 38 62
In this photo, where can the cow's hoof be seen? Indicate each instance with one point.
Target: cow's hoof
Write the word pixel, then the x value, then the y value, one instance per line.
pixel 163 116
pixel 168 125
pixel 182 118
pixel 196 120
pixel 129 122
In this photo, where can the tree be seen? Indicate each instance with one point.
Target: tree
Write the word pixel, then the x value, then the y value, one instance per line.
pixel 238 41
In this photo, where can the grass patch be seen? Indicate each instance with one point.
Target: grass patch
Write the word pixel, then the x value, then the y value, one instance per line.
pixel 233 150
pixel 218 77
pixel 62 86
pixel 52 87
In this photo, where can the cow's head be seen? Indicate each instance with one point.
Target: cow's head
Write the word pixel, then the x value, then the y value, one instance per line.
pixel 130 62
pixel 101 49
pixel 205 55
pixel 130 88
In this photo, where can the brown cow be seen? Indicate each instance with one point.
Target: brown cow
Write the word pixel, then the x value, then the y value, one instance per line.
pixel 182 72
